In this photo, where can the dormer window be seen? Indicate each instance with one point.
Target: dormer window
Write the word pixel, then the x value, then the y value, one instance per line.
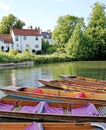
pixel 16 38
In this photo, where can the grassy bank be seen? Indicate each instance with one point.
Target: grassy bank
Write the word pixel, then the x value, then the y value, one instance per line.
pixel 38 59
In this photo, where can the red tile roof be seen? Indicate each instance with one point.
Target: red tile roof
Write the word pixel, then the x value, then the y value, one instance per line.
pixel 26 32
pixel 6 38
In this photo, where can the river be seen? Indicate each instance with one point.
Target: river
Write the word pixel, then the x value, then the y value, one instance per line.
pixel 28 76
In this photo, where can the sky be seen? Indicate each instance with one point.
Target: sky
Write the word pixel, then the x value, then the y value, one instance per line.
pixel 45 13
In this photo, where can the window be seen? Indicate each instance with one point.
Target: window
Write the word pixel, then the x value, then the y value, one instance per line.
pixel 2 48
pixel 17 45
pixel 16 38
pixel 24 37
pixel 36 38
pixel 47 36
pixel 1 41
pixel 36 46
pixel 27 45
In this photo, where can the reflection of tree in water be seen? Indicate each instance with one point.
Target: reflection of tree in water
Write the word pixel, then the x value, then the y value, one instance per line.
pixel 5 77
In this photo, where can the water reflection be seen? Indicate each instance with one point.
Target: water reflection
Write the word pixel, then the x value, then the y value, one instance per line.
pixel 28 76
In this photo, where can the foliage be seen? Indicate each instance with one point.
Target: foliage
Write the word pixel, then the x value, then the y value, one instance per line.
pixel 38 59
pixel 13 52
pixel 33 51
pixel 75 41
pixel 97 30
pixel 43 59
pixel 64 29
pixel 9 22
pixel 5 58
pixel 39 52
pixel 45 46
pixel 89 43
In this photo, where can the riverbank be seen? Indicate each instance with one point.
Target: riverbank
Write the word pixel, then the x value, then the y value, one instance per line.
pixel 22 58
pixel 26 63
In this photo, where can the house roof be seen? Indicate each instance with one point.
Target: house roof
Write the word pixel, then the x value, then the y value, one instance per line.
pixel 6 38
pixel 47 35
pixel 26 32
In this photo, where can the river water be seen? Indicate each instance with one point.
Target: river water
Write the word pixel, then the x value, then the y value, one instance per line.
pixel 28 76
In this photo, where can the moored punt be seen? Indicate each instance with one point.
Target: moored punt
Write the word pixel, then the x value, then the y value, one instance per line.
pixel 51 126
pixel 84 81
pixel 72 86
pixel 54 95
pixel 52 111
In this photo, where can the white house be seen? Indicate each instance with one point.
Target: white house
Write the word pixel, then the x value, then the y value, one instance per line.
pixel 6 42
pixel 22 39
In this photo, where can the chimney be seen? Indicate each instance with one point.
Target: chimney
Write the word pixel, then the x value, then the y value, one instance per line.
pixel 30 27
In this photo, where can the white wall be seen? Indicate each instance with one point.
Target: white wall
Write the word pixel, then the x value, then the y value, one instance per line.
pixel 31 41
pixel 5 45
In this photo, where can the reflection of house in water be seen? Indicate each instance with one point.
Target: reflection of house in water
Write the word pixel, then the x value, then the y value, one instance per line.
pixel 26 77
pixel 5 78
pixel 13 78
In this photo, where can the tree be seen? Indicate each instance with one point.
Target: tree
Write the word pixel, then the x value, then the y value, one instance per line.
pixel 45 46
pixel 33 51
pixel 19 24
pixel 8 22
pixel 97 30
pixel 64 29
pixel 75 41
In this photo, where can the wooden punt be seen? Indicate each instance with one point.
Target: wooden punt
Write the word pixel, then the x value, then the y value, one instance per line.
pixel 50 126
pixel 53 95
pixel 52 111
pixel 84 81
pixel 72 86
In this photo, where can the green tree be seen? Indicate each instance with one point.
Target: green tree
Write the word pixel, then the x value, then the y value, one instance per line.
pixel 96 30
pixel 45 46
pixel 74 44
pixel 8 22
pixel 64 29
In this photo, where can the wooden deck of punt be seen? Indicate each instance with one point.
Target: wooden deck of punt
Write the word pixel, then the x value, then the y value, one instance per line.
pixel 71 86
pixel 84 81
pixel 49 126
pixel 83 78
pixel 18 104
pixel 53 95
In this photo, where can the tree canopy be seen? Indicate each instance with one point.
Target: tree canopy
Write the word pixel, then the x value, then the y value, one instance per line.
pixel 64 28
pixel 74 43
pixel 9 22
pixel 96 29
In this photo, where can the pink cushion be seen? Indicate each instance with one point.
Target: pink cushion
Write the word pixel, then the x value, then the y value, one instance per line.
pixel 7 107
pixel 48 109
pixel 33 109
pixel 88 110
